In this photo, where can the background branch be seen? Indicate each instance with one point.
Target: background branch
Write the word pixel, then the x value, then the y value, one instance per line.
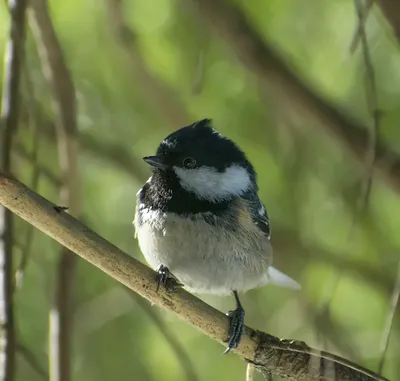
pixel 10 113
pixel 58 77
pixel 371 93
pixel 287 358
pixel 362 20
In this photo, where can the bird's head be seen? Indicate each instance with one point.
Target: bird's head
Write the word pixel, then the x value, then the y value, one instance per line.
pixel 202 161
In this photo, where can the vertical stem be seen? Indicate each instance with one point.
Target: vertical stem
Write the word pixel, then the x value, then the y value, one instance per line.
pixel 8 127
pixel 60 81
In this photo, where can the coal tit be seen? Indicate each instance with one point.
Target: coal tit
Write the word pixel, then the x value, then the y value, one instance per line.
pixel 199 218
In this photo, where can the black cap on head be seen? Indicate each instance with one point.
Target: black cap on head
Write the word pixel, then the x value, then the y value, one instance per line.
pixel 204 144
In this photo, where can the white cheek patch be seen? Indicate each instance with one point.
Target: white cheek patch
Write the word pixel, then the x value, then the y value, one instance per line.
pixel 209 184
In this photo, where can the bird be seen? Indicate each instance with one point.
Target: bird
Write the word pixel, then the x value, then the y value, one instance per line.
pixel 200 223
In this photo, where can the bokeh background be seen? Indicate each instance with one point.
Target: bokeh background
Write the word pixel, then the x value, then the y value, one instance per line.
pixel 303 86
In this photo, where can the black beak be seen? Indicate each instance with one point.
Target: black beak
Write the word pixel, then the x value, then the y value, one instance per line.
pixel 156 162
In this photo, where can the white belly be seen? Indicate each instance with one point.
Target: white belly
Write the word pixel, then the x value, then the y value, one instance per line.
pixel 216 261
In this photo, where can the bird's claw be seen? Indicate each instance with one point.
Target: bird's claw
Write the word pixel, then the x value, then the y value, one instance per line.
pixel 166 279
pixel 236 328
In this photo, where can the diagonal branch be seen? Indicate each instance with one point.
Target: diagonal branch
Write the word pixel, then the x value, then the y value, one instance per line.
pixel 10 113
pixel 362 20
pixel 59 78
pixel 276 75
pixel 373 105
pixel 287 358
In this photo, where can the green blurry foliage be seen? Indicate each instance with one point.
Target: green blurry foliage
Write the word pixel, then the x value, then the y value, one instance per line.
pixel 308 181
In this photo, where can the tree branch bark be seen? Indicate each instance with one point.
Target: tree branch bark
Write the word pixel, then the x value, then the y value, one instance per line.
pixel 291 359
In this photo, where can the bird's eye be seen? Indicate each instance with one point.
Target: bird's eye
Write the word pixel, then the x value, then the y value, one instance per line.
pixel 189 162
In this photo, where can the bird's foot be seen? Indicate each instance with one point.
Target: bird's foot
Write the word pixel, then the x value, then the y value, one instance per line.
pixel 236 328
pixel 166 279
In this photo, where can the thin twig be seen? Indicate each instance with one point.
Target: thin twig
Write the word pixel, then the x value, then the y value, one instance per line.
pixel 286 358
pixel 360 26
pixel 10 113
pixel 370 154
pixel 389 321
pixel 33 362
pixel 57 74
pixel 373 105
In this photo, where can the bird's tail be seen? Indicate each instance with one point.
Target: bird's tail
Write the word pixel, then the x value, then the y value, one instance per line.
pixel 280 279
